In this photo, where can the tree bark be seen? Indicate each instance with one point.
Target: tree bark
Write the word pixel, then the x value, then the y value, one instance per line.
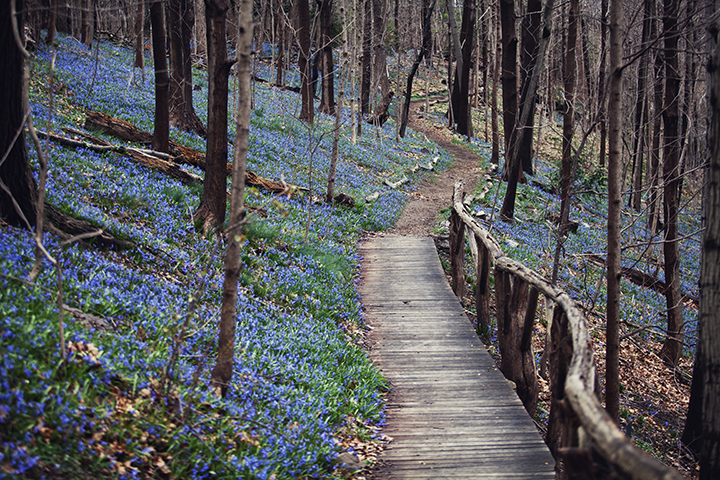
pixel 222 372
pixel 509 74
pixel 612 377
pixel 427 10
pixel 655 194
pixel 603 77
pixel 15 171
pixel 139 43
pixel 211 211
pixel 672 348
pixel 161 135
pixel 327 97
pixel 496 59
pixel 461 87
pixel 569 84
pixel 365 67
pixel 307 106
pixel 702 429
pixel 530 35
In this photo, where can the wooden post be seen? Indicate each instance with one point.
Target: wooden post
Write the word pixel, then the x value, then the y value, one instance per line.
pixel 482 289
pixel 457 253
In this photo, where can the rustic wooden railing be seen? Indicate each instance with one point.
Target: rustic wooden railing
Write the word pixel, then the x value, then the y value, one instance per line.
pixel 580 433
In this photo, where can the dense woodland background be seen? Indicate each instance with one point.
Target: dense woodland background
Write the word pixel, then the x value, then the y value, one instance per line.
pixel 607 107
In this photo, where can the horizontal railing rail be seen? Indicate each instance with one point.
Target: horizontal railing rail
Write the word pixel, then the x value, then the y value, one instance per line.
pixel 580 433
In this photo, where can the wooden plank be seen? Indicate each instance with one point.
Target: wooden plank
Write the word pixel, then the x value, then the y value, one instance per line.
pixel 450 412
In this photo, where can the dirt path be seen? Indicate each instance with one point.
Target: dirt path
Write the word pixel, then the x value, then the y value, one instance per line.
pixel 421 211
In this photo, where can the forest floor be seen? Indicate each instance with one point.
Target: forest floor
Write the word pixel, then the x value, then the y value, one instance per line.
pixel 655 398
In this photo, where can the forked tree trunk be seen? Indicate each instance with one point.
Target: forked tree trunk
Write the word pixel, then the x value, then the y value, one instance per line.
pixel 461 86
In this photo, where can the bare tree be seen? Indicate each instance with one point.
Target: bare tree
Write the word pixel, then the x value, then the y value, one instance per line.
pixel 161 135
pixel 211 211
pixel 702 429
pixel 509 74
pixel 307 107
pixel 222 372
pixel 612 355
pixel 327 97
pixel 672 347
pixel 427 11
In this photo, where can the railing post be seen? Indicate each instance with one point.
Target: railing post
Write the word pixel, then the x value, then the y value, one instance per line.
pixel 482 289
pixel 457 253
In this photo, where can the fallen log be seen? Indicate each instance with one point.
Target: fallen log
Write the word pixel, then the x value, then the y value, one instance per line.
pixel 180 153
pixel 644 280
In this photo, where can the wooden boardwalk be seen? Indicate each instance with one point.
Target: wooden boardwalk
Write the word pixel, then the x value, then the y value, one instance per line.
pixel 450 413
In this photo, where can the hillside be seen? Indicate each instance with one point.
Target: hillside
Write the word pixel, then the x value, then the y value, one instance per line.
pixel 140 324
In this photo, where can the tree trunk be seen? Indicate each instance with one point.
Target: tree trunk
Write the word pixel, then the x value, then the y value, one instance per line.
pixel 569 84
pixel 280 35
pixel 139 43
pixel 15 172
pixel 427 10
pixel 50 38
pixel 380 62
pixel 211 211
pixel 702 429
pixel 222 372
pixel 612 377
pixel 635 196
pixel 496 56
pixel 193 122
pixel 307 106
pixel 365 67
pixel 654 184
pixel 528 94
pixel 509 74
pixel 461 87
pixel 530 36
pixel 162 119
pixel 603 77
pixel 327 97
pixel 672 348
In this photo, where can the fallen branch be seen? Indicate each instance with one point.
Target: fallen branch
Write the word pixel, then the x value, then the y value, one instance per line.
pixel 644 280
pixel 180 153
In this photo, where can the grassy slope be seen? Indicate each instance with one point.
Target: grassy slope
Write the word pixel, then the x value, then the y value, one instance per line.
pixel 119 407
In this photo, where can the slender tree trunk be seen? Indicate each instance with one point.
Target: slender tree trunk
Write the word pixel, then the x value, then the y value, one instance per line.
pixel 161 134
pixel 50 38
pixel 174 41
pixel 280 35
pixel 672 347
pixel 655 194
pixel 569 84
pixel 612 355
pixel 380 61
pixel 528 94
pixel 307 108
pixel 603 77
pixel 702 429
pixel 530 36
pixel 460 92
pixel 327 98
pixel 211 211
pixel 366 65
pixel 222 372
pixel 509 74
pixel 427 10
pixel 496 56
pixel 15 172
pixel 139 41
pixel 640 114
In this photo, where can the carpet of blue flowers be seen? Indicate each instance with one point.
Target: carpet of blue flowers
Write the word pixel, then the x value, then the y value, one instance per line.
pixel 123 405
